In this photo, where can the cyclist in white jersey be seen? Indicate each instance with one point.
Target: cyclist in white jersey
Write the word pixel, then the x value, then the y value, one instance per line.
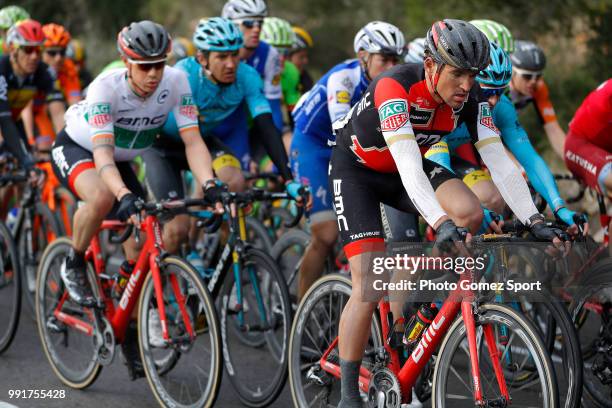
pixel 121 116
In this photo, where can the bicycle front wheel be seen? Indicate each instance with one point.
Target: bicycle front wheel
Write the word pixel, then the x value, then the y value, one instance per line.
pixel 192 380
pixel 255 332
pixel 453 385
pixel 10 288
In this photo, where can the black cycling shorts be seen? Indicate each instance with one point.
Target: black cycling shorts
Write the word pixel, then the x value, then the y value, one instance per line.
pixel 166 161
pixel 358 192
pixel 69 160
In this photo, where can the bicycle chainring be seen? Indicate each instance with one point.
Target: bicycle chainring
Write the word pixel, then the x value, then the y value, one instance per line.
pixel 105 342
pixel 384 390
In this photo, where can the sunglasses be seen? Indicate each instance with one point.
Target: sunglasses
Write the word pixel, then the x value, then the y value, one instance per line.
pixel 488 92
pixel 531 76
pixel 251 23
pixel 55 53
pixel 29 49
pixel 153 65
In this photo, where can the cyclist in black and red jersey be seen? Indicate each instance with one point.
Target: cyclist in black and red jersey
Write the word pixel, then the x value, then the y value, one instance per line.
pixel 22 76
pixel 378 158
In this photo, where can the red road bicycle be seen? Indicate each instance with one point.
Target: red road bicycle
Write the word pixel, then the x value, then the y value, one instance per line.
pixel 79 341
pixel 480 350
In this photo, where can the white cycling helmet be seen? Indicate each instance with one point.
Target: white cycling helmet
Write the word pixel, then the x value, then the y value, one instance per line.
pixel 416 51
pixel 236 9
pixel 380 37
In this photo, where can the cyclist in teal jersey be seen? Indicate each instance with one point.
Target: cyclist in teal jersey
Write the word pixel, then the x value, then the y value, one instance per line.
pixel 220 84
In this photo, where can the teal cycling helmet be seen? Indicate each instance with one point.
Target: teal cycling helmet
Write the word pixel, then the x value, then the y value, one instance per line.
pixel 10 15
pixel 497 33
pixel 499 71
pixel 217 34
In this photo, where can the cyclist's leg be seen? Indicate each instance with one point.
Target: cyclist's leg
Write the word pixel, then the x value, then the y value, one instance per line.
pixel 481 184
pixel 75 169
pixel 309 164
pixel 225 164
pixel 131 247
pixel 164 166
pixel 356 202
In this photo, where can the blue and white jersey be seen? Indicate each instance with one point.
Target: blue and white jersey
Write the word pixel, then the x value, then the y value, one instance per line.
pixel 266 60
pixel 329 100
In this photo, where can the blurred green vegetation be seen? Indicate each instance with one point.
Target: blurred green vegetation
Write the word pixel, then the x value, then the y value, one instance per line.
pixel 576 34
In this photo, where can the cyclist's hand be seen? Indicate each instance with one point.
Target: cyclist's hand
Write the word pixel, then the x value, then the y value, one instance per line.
pixel 493 221
pixel 577 222
pixel 558 237
pixel 127 209
pixel 213 190
pixel 298 191
pixel 447 234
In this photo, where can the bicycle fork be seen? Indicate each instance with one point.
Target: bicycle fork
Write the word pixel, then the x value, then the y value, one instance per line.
pixel 467 310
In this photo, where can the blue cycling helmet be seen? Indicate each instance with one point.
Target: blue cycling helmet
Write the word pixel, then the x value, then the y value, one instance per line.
pixel 217 34
pixel 499 71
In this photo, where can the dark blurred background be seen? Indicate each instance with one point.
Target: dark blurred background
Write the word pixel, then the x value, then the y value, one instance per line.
pixel 576 34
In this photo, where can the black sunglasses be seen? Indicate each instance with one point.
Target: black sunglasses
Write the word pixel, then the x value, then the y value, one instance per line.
pixel 55 53
pixel 531 77
pixel 154 65
pixel 29 49
pixel 252 23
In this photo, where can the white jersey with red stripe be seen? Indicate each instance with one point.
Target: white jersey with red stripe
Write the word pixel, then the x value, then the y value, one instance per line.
pixel 113 108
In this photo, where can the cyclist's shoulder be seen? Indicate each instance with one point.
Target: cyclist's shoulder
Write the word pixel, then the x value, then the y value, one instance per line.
pixel 245 72
pixel 189 65
pixel 347 74
pixel 5 65
pixel 407 75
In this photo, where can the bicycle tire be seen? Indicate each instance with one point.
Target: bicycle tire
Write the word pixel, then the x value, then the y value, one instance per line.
pixel 7 284
pixel 54 252
pixel 322 289
pixel 156 377
pixel 28 281
pixel 260 238
pixel 490 313
pixel 272 354
pixel 598 278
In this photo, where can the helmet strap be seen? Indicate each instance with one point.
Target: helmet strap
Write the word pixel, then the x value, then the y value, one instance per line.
pixel 433 79
pixel 135 88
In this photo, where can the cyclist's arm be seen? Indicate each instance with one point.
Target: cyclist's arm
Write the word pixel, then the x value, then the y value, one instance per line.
pixel 8 128
pixel 517 140
pixel 198 156
pixel 504 172
pixel 272 86
pixel 57 111
pixel 338 95
pixel 185 116
pixel 273 143
pixel 554 133
pixel 407 155
pixel 27 118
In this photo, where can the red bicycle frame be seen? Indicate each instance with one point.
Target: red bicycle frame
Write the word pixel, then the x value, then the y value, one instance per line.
pixel 430 339
pixel 148 259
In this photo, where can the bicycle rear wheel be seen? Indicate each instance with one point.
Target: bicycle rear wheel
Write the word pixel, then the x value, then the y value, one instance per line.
pixel 10 288
pixel 194 379
pixel 452 383
pixel 255 352
pixel 71 353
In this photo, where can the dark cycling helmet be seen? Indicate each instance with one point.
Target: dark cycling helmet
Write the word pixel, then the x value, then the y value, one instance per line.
pixel 528 56
pixel 144 40
pixel 459 44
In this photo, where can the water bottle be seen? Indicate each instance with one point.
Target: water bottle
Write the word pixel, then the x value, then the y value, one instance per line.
pixel 122 277
pixel 418 324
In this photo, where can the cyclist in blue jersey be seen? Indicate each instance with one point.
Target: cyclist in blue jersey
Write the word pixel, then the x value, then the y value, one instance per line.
pixel 249 16
pixel 220 84
pixel 378 46
pixel 494 80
